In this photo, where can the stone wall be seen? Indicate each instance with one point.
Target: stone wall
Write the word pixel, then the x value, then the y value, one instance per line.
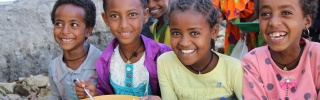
pixel 26 38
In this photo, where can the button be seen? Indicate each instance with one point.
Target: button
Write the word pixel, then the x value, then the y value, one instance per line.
pixel 129 84
pixel 128 69
pixel 129 75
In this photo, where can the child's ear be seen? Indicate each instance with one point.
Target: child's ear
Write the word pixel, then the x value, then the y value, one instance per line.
pixel 214 31
pixel 104 17
pixel 146 15
pixel 308 22
pixel 89 31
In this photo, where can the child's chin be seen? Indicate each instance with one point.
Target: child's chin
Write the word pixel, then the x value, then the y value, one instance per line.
pixel 185 62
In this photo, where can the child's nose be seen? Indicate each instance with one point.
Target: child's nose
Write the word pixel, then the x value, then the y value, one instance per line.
pixel 275 21
pixel 65 29
pixel 124 23
pixel 185 41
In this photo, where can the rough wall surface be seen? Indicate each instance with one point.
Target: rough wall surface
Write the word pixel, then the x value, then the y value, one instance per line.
pixel 26 38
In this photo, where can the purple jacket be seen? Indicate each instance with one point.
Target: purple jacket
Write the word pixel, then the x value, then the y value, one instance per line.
pixel 153 51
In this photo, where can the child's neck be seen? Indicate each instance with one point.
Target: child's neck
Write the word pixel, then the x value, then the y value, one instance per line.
pixel 203 63
pixel 160 23
pixel 127 50
pixel 74 58
pixel 288 59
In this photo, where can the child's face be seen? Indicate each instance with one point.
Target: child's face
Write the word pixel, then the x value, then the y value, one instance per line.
pixel 125 19
pixel 157 8
pixel 191 36
pixel 281 23
pixel 70 27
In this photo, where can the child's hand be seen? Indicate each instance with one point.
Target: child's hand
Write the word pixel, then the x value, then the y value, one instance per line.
pixel 81 94
pixel 150 97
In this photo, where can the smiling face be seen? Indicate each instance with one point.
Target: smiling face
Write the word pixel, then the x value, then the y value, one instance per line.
pixel 191 36
pixel 125 19
pixel 70 28
pixel 157 8
pixel 282 23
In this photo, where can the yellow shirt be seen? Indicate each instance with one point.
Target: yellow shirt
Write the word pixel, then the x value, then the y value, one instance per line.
pixel 166 35
pixel 179 83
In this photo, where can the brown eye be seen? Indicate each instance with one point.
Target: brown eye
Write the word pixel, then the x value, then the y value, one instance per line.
pixel 175 33
pixel 286 13
pixel 114 16
pixel 74 25
pixel 264 14
pixel 194 33
pixel 58 24
pixel 133 14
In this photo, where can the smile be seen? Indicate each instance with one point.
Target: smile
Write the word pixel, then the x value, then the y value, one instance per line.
pixel 277 35
pixel 125 34
pixel 154 11
pixel 67 40
pixel 187 51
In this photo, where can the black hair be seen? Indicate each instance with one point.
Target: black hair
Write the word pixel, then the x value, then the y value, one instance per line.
pixel 88 6
pixel 309 7
pixel 203 7
pixel 143 3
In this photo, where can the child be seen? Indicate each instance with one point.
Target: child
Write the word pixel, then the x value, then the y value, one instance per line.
pixel 160 29
pixel 128 65
pixel 73 23
pixel 288 68
pixel 193 71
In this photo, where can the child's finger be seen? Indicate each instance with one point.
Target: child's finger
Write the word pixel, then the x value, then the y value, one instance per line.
pixel 81 95
pixel 78 84
pixel 90 87
pixel 79 89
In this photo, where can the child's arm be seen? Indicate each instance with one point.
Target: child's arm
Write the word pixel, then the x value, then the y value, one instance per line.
pixel 237 81
pixel 167 92
pixel 252 82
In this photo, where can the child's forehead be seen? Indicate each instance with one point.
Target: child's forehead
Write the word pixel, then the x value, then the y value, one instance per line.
pixel 187 18
pixel 70 7
pixel 275 3
pixel 187 12
pixel 279 5
pixel 70 10
pixel 128 4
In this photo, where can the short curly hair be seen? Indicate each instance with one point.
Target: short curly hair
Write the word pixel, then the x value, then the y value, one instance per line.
pixel 143 3
pixel 309 7
pixel 88 6
pixel 204 7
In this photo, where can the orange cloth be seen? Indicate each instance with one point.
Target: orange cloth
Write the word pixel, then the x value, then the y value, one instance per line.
pixel 233 9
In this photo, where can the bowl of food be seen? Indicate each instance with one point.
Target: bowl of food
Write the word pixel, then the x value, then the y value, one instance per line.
pixel 114 97
pixel 248 26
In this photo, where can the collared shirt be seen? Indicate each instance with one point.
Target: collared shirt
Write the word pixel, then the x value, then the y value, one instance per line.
pixel 61 76
pixel 129 79
pixel 153 50
pixel 263 79
pixel 177 82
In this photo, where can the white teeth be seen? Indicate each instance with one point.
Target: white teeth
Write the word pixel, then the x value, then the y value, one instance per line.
pixel 127 33
pixel 154 10
pixel 276 38
pixel 67 40
pixel 187 51
pixel 277 34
